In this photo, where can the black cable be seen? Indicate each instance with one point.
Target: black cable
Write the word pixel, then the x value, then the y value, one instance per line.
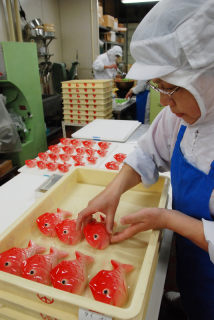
pixel 22 13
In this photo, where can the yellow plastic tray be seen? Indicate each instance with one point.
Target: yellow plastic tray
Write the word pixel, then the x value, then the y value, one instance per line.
pixel 87 101
pixel 87 90
pixel 86 95
pixel 86 112
pixel 88 84
pixel 72 192
pixel 85 118
pixel 88 106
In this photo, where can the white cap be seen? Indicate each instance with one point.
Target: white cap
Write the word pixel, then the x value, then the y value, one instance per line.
pixel 175 34
pixel 115 51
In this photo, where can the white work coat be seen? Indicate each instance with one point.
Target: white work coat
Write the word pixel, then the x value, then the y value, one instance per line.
pixel 98 66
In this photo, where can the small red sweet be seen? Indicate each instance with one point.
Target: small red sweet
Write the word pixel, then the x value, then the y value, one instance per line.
pixel 41 164
pixel 52 166
pixel 31 163
pixel 65 141
pixel 54 148
pixel 77 158
pixel 88 143
pixel 76 142
pixel 90 151
pixel 54 156
pixel 112 165
pixel 92 160
pixel 43 155
pixel 79 163
pixel 80 150
pixel 68 149
pixel 104 144
pixel 120 157
pixel 64 167
pixel 65 156
pixel 102 152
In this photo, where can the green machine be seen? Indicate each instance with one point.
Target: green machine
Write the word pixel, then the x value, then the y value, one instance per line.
pixel 155 105
pixel 20 83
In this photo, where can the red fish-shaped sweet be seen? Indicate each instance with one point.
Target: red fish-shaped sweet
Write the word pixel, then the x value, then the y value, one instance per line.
pixel 80 151
pixel 79 164
pixel 104 144
pixel 43 155
pixel 88 143
pixel 110 286
pixel 90 151
pixel 31 163
pixel 52 166
pixel 71 275
pixel 120 157
pixel 68 149
pixel 77 158
pixel 65 141
pixel 66 232
pixel 10 260
pixel 54 148
pixel 38 267
pixel 76 142
pixel 63 167
pixel 112 165
pixel 65 157
pixel 41 164
pixel 102 152
pixel 96 234
pixel 54 156
pixel 92 160
pixel 48 221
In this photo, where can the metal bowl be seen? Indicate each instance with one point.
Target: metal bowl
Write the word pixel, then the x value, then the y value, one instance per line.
pixel 124 85
pixel 34 23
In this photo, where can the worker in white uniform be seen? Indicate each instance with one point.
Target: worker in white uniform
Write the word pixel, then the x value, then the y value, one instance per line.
pixel 173 46
pixel 142 101
pixel 105 66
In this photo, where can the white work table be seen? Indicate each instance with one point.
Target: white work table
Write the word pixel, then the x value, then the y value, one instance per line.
pixel 17 195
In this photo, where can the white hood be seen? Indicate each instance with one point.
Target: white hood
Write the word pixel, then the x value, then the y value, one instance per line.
pixel 113 52
pixel 175 34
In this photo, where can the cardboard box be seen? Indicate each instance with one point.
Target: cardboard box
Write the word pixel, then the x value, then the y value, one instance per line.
pixel 110 36
pixel 108 21
pixel 121 25
pixel 101 21
pixel 120 40
pixel 5 166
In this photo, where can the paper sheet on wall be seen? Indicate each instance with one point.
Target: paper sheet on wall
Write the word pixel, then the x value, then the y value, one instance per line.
pixel 108 130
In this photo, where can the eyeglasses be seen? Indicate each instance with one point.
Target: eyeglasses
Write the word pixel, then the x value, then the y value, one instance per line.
pixel 162 91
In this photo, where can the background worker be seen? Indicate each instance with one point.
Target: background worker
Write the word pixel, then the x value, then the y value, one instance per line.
pixel 105 65
pixel 142 100
pixel 172 46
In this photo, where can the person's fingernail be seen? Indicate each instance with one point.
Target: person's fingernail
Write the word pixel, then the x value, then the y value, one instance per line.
pixel 122 221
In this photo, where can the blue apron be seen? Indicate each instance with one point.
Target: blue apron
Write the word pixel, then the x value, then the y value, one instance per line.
pixel 141 99
pixel 192 189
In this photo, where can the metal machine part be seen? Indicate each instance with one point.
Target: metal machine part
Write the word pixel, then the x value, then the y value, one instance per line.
pixel 21 86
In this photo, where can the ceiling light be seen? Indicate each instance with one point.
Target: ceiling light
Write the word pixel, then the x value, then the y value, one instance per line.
pixel 137 1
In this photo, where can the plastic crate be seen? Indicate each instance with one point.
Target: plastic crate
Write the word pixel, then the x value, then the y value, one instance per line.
pixel 88 106
pixel 87 112
pixel 92 84
pixel 87 90
pixel 72 192
pixel 87 101
pixel 86 95
pixel 85 118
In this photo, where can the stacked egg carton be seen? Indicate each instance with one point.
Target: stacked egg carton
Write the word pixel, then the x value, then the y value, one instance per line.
pixel 86 100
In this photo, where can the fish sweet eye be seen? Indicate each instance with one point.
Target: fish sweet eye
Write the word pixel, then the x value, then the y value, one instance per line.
pixel 63 281
pixel 6 264
pixel 105 291
pixel 31 271
pixel 65 231
pixel 46 224
pixel 96 236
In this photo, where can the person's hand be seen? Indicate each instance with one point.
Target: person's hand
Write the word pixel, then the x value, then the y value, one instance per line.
pixel 106 202
pixel 114 65
pixel 129 94
pixel 143 220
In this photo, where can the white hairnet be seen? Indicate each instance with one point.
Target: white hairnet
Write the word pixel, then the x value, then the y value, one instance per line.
pixel 115 51
pixel 175 34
